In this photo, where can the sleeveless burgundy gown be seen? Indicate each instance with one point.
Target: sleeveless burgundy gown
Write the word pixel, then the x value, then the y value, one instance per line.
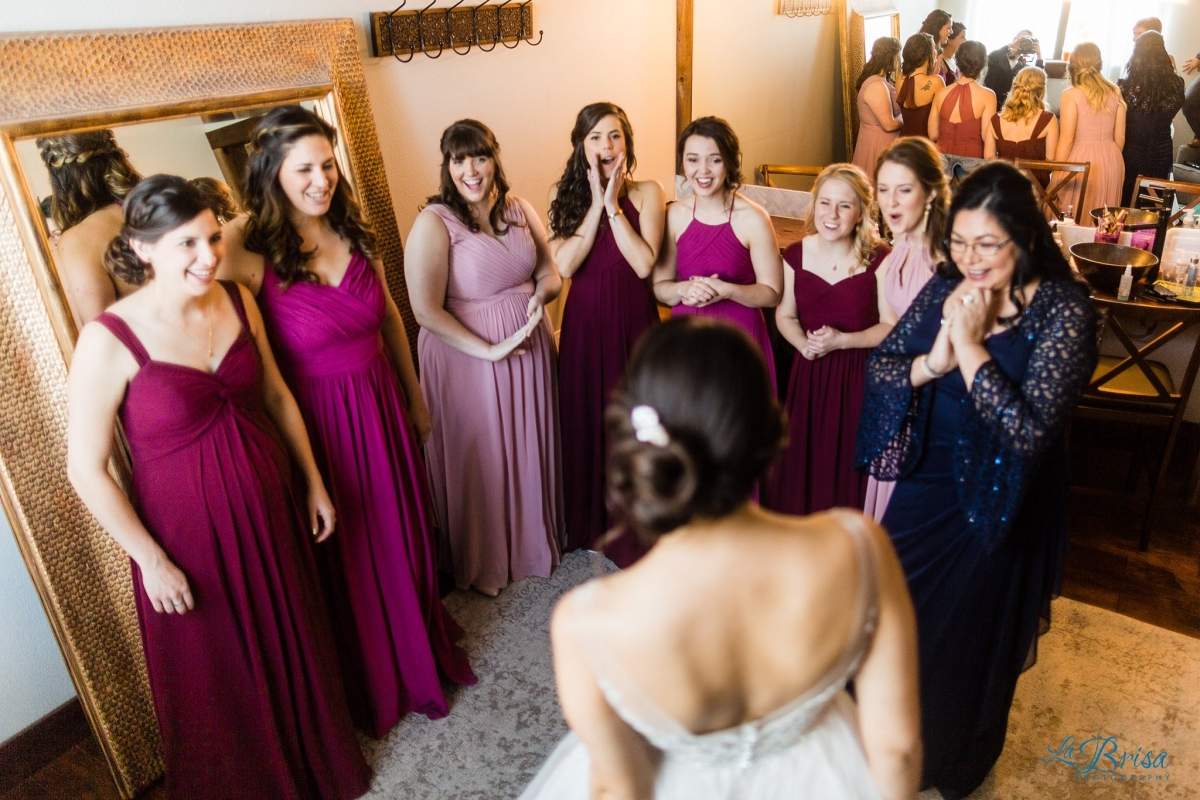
pixel 246 686
pixel 965 137
pixel 704 250
pixel 607 310
pixel 825 395
pixel 379 569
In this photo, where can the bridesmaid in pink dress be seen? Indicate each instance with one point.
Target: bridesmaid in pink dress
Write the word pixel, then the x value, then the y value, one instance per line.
pixel 607 230
pixel 963 109
pixel 479 275
pixel 879 115
pixel 343 351
pixel 833 313
pixel 913 198
pixel 238 649
pixel 1092 129
pixel 720 257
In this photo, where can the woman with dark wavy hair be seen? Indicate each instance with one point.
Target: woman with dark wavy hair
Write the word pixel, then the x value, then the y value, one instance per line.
pixel 673 674
pixel 879 115
pixel 240 657
pixel 921 83
pixel 967 405
pixel 1153 94
pixel 305 250
pixel 90 175
pixel 606 229
pixel 480 273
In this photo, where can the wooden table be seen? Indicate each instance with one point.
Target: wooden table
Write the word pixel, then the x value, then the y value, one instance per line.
pixel 788 231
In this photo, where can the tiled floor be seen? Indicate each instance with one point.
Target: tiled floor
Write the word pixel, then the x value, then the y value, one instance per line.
pixel 1103 567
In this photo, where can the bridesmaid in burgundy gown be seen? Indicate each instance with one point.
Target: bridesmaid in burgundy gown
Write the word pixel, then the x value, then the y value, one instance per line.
pixel 606 229
pixel 343 351
pixel 833 312
pixel 238 650
pixel 720 257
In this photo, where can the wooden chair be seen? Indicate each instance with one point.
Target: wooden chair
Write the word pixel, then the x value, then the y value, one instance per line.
pixel 1159 193
pixel 762 175
pixel 1061 174
pixel 1137 390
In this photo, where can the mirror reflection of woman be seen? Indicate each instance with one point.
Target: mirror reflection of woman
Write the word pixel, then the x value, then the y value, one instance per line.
pixel 912 195
pixel 238 649
pixel 968 401
pixel 719 257
pixel 958 35
pixel 921 83
pixel 879 114
pixel 962 110
pixel 304 249
pixel 479 274
pixel 833 312
pixel 90 175
pixel 676 678
pixel 606 233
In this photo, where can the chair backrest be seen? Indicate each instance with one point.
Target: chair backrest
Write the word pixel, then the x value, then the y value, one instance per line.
pixel 1062 174
pixel 1159 193
pixel 763 173
pixel 777 202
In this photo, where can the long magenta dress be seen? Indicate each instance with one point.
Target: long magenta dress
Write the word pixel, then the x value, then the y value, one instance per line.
pixel 379 569
pixel 493 453
pixel 704 250
pixel 245 686
pixel 608 308
pixel 824 396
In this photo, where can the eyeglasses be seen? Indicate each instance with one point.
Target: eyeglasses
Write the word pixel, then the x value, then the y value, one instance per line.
pixel 958 247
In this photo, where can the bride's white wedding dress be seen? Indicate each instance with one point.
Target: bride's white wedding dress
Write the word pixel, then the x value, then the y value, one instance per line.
pixel 809 747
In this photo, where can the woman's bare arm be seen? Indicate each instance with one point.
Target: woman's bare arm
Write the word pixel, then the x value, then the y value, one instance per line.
pixel 239 264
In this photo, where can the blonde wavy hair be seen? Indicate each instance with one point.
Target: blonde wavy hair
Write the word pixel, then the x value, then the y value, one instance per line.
pixel 866 236
pixel 1027 96
pixel 1084 68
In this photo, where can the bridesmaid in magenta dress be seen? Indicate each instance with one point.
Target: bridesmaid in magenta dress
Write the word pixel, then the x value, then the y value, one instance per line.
pixel 962 110
pixel 879 115
pixel 606 232
pixel 342 348
pixel 720 257
pixel 913 198
pixel 479 275
pixel 238 649
pixel 833 313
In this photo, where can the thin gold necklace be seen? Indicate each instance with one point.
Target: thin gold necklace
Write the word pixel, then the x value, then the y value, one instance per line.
pixel 208 316
pixel 836 263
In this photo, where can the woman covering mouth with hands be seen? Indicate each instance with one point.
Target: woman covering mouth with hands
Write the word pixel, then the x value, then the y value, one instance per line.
pixel 720 257
pixel 833 312
pixel 606 232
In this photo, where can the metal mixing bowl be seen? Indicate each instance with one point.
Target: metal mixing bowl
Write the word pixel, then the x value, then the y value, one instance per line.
pixel 1102 264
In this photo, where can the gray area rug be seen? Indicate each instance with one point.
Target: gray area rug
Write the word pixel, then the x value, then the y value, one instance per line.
pixel 1114 684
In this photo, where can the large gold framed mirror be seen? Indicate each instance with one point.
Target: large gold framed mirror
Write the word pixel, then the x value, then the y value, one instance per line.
pixel 193 89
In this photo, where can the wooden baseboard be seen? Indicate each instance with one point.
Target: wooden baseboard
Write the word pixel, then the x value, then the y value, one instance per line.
pixel 42 742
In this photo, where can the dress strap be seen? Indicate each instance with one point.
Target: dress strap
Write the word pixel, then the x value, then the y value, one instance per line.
pixel 999 132
pixel 906 92
pixel 732 200
pixel 966 108
pixel 1042 122
pixel 125 335
pixel 235 297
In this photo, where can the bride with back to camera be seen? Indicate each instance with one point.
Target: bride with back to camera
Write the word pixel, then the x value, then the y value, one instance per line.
pixel 673 674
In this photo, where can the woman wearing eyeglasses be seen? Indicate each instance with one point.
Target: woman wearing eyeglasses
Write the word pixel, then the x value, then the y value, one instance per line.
pixel 967 402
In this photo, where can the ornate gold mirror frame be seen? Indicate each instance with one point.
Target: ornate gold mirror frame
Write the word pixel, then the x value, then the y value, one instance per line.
pixel 59 82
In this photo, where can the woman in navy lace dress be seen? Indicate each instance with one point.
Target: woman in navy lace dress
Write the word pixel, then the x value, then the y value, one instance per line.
pixel 967 402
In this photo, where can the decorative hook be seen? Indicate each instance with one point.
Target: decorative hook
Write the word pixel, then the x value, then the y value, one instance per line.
pixel 392 35
pixel 475 26
pixel 520 31
pixel 521 35
pixel 421 31
pixel 450 32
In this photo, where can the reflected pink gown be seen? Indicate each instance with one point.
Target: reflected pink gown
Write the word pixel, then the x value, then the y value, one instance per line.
pixel 704 250
pixel 906 270
pixel 608 308
pixel 493 453
pixel 872 138
pixel 245 686
pixel 379 569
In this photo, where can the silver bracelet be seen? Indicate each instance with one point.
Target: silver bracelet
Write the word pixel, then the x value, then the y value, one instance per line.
pixel 923 359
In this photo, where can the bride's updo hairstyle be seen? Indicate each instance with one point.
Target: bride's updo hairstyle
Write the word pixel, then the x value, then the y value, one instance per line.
pixel 694 425
pixel 155 207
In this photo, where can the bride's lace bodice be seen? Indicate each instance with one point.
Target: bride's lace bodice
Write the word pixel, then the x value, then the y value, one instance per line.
pixel 742 745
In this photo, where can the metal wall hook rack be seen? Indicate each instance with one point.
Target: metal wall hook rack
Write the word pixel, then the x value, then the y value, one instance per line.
pixel 401 34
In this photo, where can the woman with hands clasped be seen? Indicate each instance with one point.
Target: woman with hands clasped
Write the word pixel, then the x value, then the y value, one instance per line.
pixel 833 312
pixel 241 663
pixel 720 257
pixel 606 230
pixel 479 274
pixel 967 402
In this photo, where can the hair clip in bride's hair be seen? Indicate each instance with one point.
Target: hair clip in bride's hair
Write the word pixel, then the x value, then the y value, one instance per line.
pixel 647 427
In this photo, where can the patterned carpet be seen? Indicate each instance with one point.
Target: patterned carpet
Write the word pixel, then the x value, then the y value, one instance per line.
pixel 1099 674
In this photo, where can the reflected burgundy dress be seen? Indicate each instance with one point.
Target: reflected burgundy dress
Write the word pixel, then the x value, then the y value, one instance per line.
pixel 245 686
pixel 379 569
pixel 607 310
